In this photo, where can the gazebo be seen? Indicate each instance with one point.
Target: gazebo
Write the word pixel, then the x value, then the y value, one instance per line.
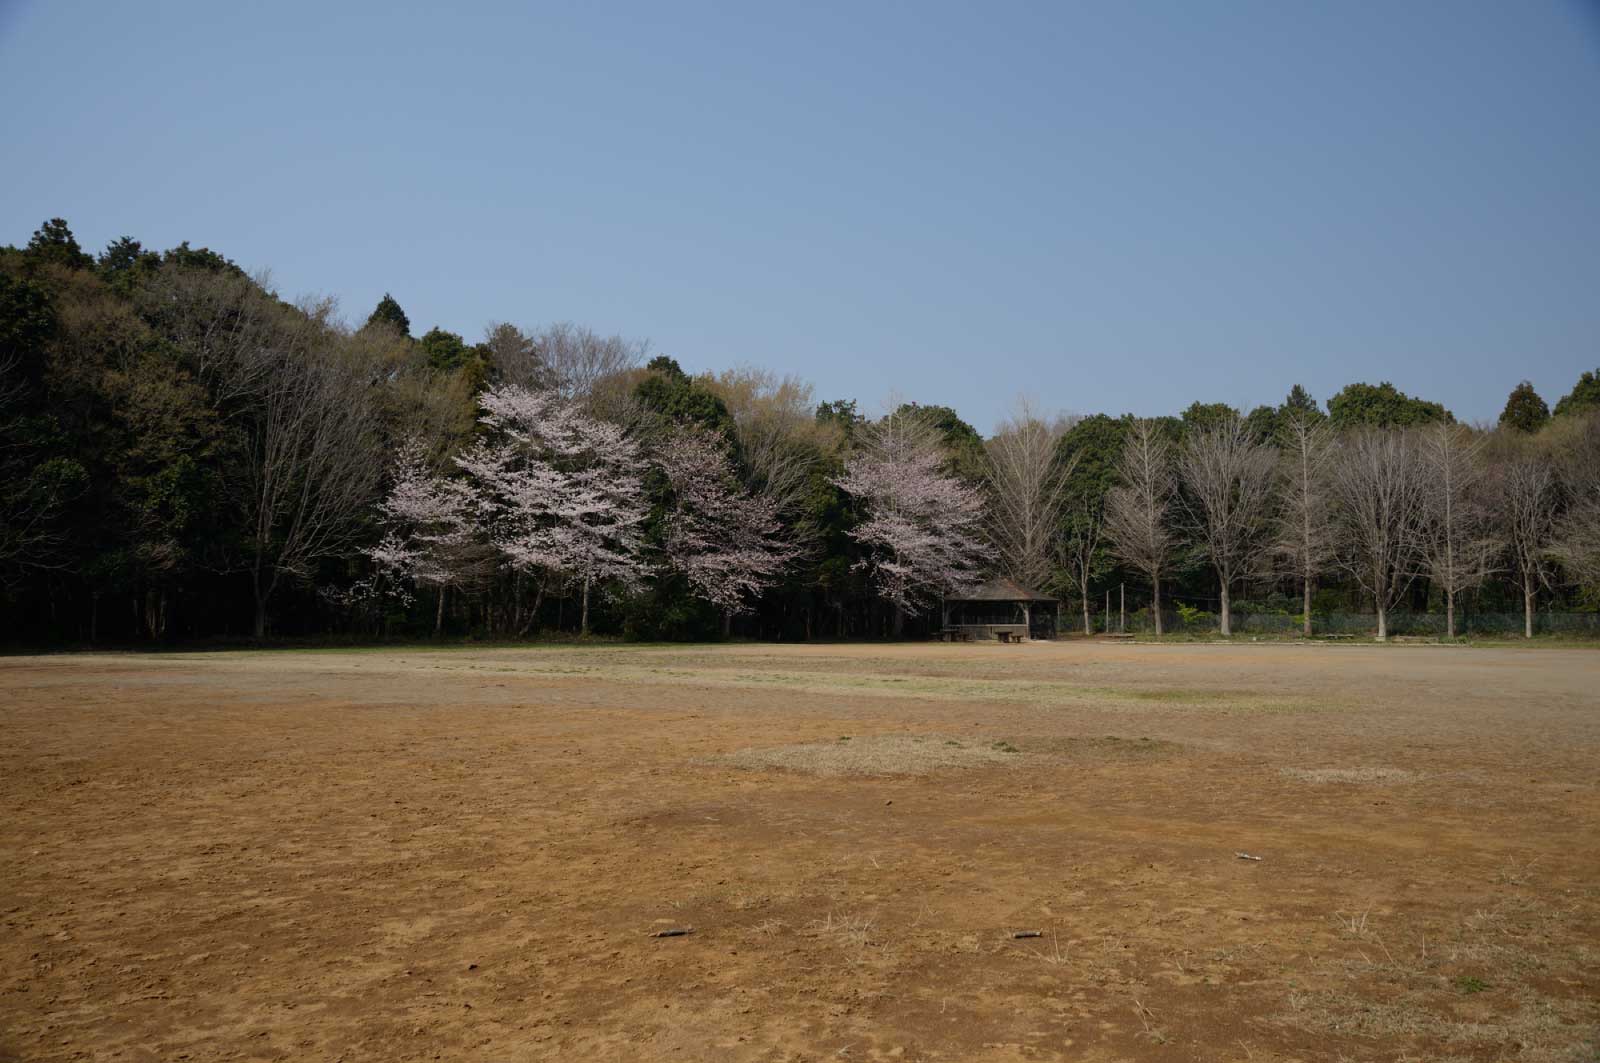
pixel 1000 609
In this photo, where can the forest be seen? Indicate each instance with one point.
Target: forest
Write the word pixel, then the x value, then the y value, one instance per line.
pixel 186 457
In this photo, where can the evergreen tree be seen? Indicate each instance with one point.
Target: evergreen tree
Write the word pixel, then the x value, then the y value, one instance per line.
pixel 1585 395
pixel 388 312
pixel 1525 411
pixel 1383 406
pixel 53 242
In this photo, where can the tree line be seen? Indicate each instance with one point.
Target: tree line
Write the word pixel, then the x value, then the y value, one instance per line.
pixel 186 455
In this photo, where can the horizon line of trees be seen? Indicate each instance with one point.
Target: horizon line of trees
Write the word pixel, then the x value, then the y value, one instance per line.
pixel 186 455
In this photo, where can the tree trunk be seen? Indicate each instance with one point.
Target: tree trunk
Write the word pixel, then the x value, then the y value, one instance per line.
pixel 438 614
pixel 583 624
pixel 1155 608
pixel 261 608
pixel 899 621
pixel 516 601
pixel 1227 612
pixel 727 624
pixel 1383 622
pixel 533 614
pixel 1527 607
pixel 1449 614
pixel 1306 605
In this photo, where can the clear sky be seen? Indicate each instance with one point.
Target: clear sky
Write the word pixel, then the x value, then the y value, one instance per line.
pixel 1119 206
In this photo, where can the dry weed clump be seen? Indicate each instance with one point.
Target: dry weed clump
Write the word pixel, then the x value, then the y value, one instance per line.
pixel 877 755
pixel 1369 776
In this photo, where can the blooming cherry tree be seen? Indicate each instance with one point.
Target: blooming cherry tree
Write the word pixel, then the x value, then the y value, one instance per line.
pixel 560 491
pixel 724 541
pixel 922 529
pixel 430 535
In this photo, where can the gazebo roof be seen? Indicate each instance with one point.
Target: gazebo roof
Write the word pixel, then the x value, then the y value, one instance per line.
pixel 999 590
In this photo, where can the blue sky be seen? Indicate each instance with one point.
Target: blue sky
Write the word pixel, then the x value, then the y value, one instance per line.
pixel 1107 206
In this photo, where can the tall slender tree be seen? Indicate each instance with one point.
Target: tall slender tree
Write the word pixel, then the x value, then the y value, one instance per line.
pixel 1229 501
pixel 1380 491
pixel 1529 498
pixel 1307 532
pixel 1577 543
pixel 1027 486
pixel 1138 510
pixel 1458 551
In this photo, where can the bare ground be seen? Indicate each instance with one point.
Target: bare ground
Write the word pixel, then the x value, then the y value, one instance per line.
pixel 461 854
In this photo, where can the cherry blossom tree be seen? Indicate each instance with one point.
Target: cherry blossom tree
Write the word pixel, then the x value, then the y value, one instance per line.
pixel 560 491
pixel 923 528
pixel 431 534
pixel 724 541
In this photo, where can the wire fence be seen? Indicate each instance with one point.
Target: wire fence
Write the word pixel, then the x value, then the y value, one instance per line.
pixel 1194 621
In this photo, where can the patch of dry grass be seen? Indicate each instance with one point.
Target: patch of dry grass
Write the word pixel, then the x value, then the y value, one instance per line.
pixel 876 755
pixel 1478 988
pixel 1368 776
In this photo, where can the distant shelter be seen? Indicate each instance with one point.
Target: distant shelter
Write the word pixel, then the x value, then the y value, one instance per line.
pixel 1000 609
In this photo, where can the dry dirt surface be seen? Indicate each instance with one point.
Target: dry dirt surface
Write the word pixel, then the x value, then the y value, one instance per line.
pixel 467 854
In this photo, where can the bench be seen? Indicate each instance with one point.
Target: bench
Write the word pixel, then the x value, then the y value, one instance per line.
pixel 1336 636
pixel 1010 636
pixel 1119 636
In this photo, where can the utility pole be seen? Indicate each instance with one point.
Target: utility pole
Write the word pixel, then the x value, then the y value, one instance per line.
pixel 1122 589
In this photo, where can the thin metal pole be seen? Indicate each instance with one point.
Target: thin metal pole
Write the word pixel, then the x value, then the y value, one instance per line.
pixel 1122 589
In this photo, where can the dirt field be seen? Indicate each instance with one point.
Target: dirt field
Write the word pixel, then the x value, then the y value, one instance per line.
pixel 464 854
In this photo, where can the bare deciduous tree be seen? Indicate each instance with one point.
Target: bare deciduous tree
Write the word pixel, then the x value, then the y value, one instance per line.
pixel 1457 550
pixel 1138 508
pixel 1306 525
pixel 515 356
pixel 219 322
pixel 310 436
pixel 578 358
pixel 779 440
pixel 1529 495
pixel 1379 487
pixel 1577 543
pixel 1027 488
pixel 1230 498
